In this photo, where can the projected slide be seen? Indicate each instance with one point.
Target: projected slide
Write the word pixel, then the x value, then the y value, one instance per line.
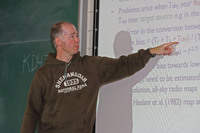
pixel 165 95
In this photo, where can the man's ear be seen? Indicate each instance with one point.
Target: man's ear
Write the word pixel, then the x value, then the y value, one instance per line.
pixel 58 41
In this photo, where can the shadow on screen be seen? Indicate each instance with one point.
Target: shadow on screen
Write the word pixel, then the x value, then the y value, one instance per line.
pixel 114 113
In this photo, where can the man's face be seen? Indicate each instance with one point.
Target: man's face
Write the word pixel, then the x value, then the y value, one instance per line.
pixel 70 40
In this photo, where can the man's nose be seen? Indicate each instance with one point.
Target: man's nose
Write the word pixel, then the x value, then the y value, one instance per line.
pixel 77 39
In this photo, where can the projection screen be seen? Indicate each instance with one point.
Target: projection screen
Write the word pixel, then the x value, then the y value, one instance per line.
pixel 164 97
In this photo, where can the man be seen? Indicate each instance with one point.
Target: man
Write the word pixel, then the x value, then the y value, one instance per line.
pixel 63 94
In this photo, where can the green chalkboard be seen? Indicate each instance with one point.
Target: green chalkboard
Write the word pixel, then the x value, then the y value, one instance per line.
pixel 24 45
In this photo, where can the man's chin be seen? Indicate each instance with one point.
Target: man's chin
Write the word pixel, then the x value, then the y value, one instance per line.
pixel 76 52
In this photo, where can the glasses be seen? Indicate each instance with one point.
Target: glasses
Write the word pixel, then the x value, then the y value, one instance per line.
pixel 73 36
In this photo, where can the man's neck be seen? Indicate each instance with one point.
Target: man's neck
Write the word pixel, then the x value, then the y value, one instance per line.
pixel 64 58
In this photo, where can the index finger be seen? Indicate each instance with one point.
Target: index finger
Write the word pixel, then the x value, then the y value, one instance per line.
pixel 171 43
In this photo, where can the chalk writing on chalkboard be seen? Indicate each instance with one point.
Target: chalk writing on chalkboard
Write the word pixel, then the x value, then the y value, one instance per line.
pixel 31 62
